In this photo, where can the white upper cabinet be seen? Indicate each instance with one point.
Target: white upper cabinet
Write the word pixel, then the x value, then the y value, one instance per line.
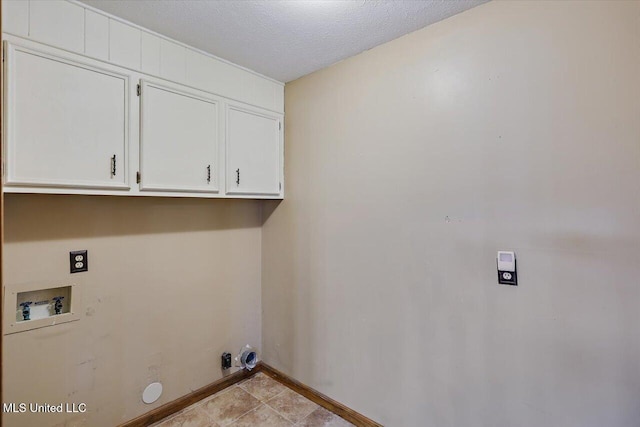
pixel 172 61
pixel 201 126
pixel 96 35
pixel 179 136
pixel 57 22
pixel 254 151
pixel 66 122
pixel 124 44
pixel 150 53
pixel 76 27
pixel 15 17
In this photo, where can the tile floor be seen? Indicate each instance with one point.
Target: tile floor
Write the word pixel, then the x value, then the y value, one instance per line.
pixel 257 401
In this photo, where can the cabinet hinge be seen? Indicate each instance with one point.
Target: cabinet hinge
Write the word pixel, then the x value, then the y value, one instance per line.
pixel 280 125
pixel 137 177
pixel 280 186
pixel 139 90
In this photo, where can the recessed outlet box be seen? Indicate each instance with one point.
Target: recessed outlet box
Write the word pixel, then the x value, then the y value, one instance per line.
pixel 226 360
pixel 78 261
pixel 37 305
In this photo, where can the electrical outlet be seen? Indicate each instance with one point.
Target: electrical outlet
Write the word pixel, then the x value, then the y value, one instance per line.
pixel 78 261
pixel 508 278
pixel 226 360
pixel 507 273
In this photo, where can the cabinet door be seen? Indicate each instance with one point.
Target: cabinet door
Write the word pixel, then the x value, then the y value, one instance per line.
pixel 254 152
pixel 67 122
pixel 179 136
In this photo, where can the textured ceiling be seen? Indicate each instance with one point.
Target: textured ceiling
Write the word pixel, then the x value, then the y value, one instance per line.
pixel 283 39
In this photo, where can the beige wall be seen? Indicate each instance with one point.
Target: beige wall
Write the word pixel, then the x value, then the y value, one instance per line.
pixel 513 126
pixel 172 283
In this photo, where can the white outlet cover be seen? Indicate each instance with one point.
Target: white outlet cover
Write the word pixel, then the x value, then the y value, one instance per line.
pixel 152 393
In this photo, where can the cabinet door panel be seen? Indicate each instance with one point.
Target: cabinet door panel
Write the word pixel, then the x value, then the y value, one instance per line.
pixel 253 152
pixel 178 140
pixel 67 122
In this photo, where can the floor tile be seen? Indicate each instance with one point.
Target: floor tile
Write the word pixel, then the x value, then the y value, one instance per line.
pixel 262 387
pixel 194 417
pixel 323 418
pixel 227 406
pixel 292 406
pixel 262 416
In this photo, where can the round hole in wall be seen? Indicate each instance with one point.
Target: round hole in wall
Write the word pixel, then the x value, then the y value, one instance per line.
pixel 249 359
pixel 152 393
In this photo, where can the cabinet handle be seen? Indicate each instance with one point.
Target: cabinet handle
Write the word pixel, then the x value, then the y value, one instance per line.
pixel 238 176
pixel 208 174
pixel 113 166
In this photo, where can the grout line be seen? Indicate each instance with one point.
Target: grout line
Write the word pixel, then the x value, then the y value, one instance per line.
pixel 271 398
pixel 283 416
pixel 300 422
pixel 214 423
pixel 261 400
pixel 250 410
pixel 246 413
pixel 280 415
pixel 255 397
pixel 267 405
pixel 260 403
